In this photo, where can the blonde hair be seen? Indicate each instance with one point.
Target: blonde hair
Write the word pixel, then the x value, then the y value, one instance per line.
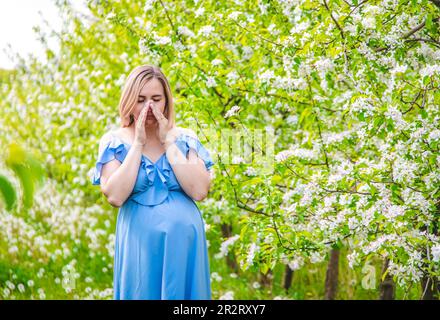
pixel 137 78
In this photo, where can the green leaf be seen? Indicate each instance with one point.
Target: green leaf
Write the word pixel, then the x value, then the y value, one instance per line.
pixel 252 181
pixel 426 80
pixel 304 114
pixel 243 231
pixel 264 268
pixel 428 22
pixel 8 191
pixel 36 169
pixel 372 188
pixel 28 170
pixel 27 183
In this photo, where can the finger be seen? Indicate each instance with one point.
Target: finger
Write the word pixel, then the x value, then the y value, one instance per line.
pixel 147 106
pixel 144 114
pixel 153 109
pixel 140 114
pixel 145 109
pixel 139 118
pixel 159 116
pixel 142 117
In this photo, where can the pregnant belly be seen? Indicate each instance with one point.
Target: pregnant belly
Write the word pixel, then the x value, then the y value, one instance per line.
pixel 176 214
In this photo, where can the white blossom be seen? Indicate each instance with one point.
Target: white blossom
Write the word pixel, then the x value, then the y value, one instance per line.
pixel 435 251
pixel 283 155
pixel 216 62
pixel 210 82
pixel 229 295
pixel 266 76
pixel 162 40
pixel 253 249
pixel 232 112
pixel 206 30
pixel 224 247
pixel 199 12
pixel 184 30
pixel 430 70
pixel 234 15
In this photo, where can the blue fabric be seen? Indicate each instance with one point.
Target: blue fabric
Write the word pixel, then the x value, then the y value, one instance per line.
pixel 160 247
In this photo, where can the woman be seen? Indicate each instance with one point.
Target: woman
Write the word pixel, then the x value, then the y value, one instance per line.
pixel 153 171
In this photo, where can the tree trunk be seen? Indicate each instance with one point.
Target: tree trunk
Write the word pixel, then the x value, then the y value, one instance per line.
pixel 230 258
pixel 431 286
pixel 387 286
pixel 266 279
pixel 288 275
pixel 331 279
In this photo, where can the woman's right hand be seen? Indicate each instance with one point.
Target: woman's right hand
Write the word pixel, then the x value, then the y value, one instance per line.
pixel 140 137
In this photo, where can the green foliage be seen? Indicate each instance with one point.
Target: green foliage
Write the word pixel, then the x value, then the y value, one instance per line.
pixel 30 173
pixel 350 90
pixel 8 192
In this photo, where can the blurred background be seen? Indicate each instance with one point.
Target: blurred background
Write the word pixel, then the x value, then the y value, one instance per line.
pixel 349 88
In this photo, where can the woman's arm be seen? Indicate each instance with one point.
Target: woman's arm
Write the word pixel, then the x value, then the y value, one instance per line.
pixel 191 172
pixel 118 179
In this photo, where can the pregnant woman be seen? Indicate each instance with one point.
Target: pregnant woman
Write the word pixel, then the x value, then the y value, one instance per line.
pixel 154 172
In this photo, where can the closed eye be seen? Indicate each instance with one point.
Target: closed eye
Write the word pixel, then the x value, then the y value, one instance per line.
pixel 156 100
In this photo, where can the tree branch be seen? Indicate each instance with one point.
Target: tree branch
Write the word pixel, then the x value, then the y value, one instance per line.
pixel 334 20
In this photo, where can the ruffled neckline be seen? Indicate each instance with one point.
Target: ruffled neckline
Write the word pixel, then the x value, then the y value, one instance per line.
pixel 158 181
pixel 143 155
pixel 157 174
pixel 157 177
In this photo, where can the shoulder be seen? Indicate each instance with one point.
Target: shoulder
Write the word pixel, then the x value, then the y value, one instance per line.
pixel 119 132
pixel 187 131
pixel 105 139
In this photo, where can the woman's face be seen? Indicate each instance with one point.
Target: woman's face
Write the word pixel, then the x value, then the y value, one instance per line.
pixel 152 91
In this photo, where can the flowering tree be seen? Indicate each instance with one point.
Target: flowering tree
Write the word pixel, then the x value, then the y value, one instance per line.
pixel 348 88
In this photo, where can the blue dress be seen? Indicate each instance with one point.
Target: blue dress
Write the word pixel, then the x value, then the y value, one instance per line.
pixel 160 246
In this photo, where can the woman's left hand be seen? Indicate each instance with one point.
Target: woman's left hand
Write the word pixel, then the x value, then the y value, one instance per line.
pixel 166 132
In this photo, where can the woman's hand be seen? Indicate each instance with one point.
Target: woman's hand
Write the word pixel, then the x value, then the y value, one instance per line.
pixel 171 137
pixel 140 137
pixel 166 132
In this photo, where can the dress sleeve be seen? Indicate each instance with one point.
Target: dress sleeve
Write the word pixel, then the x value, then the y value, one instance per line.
pixel 187 140
pixel 110 148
